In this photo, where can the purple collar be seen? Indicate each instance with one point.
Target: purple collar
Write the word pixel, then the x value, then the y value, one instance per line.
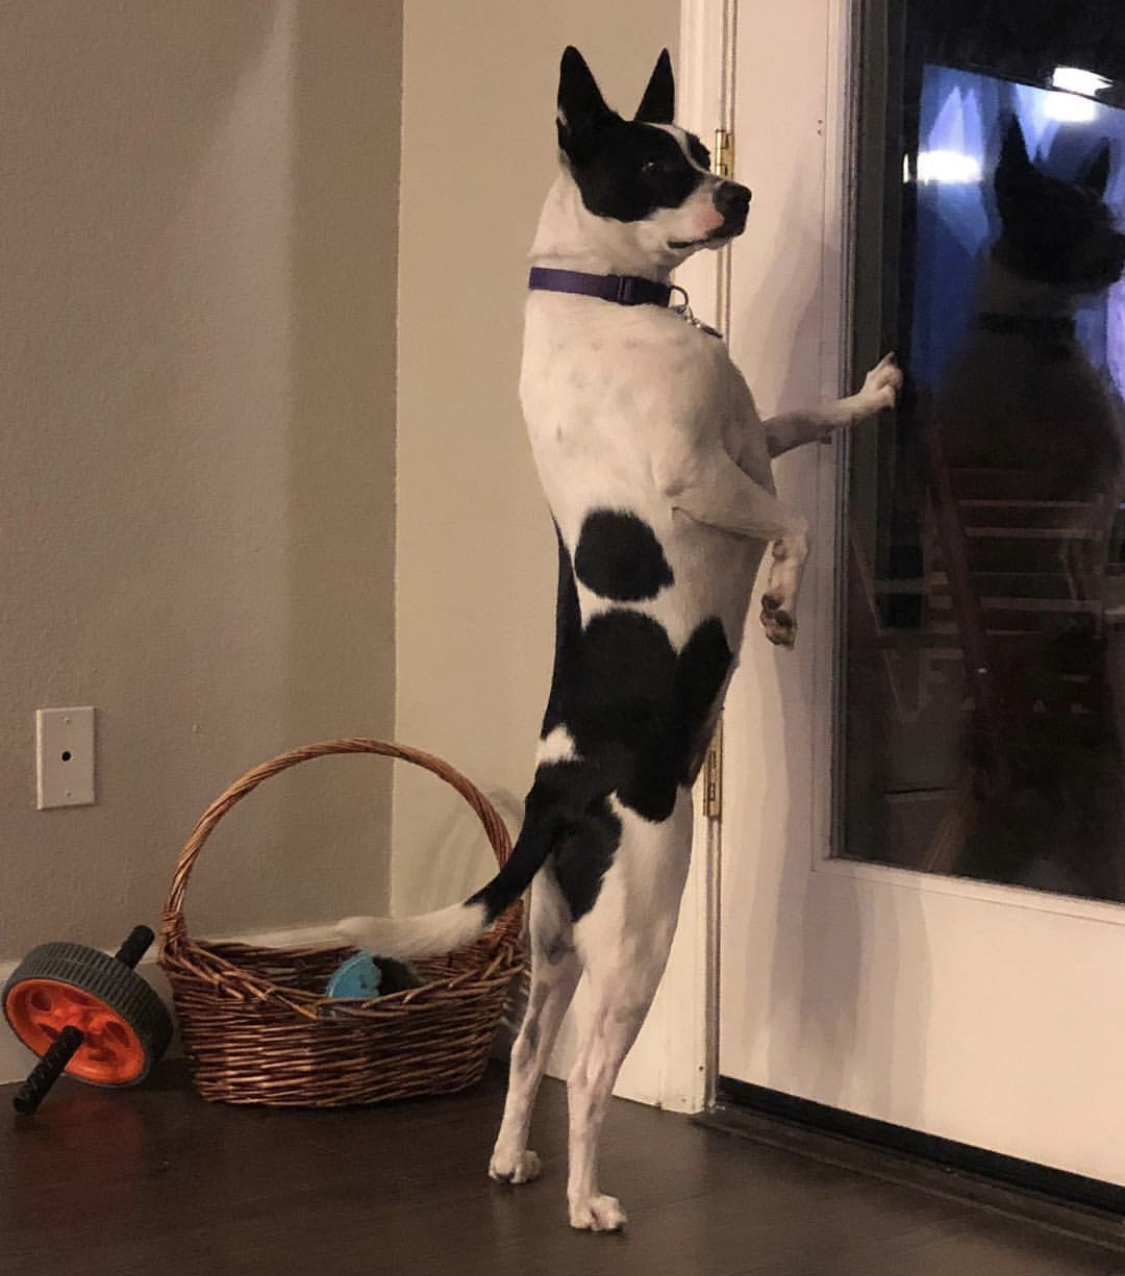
pixel 625 290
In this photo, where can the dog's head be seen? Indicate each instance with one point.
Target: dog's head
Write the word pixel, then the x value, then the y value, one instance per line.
pixel 1054 231
pixel 648 180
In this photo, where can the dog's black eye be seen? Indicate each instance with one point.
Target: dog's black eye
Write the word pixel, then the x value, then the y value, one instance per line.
pixel 655 169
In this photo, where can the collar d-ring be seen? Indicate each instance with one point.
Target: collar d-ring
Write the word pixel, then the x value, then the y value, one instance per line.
pixel 684 307
pixel 684 311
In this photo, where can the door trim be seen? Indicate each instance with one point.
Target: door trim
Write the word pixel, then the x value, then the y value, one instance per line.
pixel 1087 1207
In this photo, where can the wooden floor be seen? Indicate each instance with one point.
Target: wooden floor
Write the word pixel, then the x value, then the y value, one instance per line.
pixel 154 1180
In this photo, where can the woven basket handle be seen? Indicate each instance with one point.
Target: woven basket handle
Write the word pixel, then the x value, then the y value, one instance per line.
pixel 172 922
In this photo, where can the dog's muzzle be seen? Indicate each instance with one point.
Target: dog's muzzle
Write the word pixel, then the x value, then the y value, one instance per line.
pixel 733 201
pixel 1101 264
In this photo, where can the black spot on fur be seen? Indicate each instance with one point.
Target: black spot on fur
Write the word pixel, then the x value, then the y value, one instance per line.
pixel 619 557
pixel 581 858
pixel 640 715
pixel 684 722
pixel 702 670
pixel 568 638
pixel 396 976
pixel 640 710
pixel 551 805
pixel 625 678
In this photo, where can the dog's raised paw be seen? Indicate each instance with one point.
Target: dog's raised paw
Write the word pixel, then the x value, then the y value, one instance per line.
pixel 523 1167
pixel 882 384
pixel 780 627
pixel 597 1214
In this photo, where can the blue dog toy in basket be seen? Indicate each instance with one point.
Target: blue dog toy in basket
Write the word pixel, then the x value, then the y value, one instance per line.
pixel 364 976
pixel 311 1027
pixel 358 977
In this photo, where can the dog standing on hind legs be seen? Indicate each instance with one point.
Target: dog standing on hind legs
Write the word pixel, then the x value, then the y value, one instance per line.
pixel 656 467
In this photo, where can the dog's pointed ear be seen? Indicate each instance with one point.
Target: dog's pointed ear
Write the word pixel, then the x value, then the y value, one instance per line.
pixel 582 108
pixel 1014 168
pixel 1095 176
pixel 658 106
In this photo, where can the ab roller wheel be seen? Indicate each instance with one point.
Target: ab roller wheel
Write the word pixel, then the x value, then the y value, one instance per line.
pixel 87 1014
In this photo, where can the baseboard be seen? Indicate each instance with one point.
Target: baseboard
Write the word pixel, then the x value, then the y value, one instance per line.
pixel 1064 1202
pixel 16 1061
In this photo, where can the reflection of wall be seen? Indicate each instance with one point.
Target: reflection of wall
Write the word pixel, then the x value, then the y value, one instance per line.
pixel 476 555
pixel 197 353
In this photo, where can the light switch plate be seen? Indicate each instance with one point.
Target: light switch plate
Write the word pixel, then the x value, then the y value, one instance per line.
pixel 64 755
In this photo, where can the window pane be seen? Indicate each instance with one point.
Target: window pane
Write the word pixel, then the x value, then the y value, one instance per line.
pixel 984 677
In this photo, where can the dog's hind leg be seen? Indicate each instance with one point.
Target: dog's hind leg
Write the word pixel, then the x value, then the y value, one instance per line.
pixel 624 943
pixel 555 969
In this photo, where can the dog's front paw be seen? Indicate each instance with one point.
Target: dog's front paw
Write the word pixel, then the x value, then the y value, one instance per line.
pixel 780 627
pixel 519 1167
pixel 597 1214
pixel 881 386
pixel 779 604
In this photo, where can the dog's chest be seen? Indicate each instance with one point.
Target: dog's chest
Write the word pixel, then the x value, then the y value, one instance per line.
pixel 603 397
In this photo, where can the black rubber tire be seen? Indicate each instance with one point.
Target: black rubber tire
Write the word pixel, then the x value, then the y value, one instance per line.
pixel 111 981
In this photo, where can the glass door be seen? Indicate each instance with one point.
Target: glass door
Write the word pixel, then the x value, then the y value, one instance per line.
pixel 985 632
pixel 922 866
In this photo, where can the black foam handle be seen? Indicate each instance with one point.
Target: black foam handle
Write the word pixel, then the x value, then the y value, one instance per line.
pixel 135 947
pixel 47 1071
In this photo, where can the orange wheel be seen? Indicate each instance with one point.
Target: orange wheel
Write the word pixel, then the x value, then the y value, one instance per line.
pixel 125 1027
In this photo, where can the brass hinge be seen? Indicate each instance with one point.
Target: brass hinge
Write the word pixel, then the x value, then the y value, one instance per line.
pixel 713 776
pixel 722 156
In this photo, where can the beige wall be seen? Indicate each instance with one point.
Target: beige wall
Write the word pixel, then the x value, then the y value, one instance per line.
pixel 198 527
pixel 197 361
pixel 476 557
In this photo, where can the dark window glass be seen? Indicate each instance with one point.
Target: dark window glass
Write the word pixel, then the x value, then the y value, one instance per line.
pixel 983 676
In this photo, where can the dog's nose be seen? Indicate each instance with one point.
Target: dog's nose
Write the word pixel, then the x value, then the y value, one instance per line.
pixel 733 201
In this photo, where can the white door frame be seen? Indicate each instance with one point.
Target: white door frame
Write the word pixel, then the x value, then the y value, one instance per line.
pixel 675 1063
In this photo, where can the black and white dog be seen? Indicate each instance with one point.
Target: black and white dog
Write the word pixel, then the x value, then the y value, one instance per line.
pixel 657 469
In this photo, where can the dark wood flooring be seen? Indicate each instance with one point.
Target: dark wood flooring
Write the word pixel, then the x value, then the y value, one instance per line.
pixel 154 1179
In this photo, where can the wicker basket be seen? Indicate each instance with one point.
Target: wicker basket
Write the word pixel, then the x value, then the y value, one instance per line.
pixel 259 1029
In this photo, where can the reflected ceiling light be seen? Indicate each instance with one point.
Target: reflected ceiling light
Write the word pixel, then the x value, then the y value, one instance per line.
pixel 951 167
pixel 1073 79
pixel 1069 108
